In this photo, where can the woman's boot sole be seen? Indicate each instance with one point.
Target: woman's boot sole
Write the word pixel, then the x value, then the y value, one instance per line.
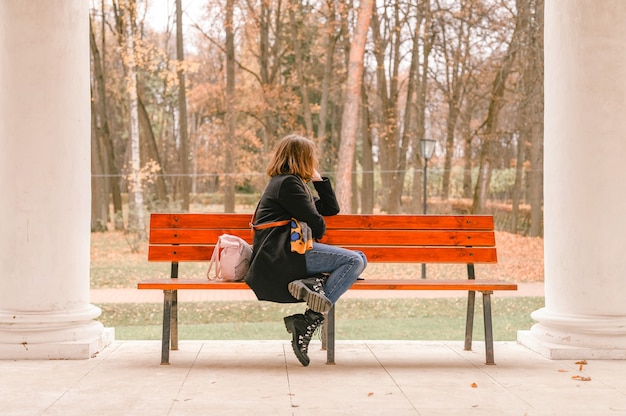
pixel 316 301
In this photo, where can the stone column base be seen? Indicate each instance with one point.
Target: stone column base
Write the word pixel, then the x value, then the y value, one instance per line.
pixel 554 351
pixel 69 350
pixel 561 336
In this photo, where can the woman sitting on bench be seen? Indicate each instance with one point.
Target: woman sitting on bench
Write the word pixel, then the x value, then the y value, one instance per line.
pixel 287 265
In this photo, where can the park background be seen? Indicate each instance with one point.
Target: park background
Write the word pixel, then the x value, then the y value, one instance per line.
pixel 189 98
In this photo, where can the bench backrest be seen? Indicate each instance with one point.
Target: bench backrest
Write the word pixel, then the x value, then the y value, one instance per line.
pixel 383 238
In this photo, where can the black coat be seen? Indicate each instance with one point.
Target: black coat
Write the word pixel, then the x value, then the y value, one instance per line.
pixel 273 265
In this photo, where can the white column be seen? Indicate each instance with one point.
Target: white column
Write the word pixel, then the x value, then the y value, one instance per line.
pixel 585 183
pixel 45 182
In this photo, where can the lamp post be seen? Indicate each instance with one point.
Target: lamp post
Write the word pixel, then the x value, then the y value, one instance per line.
pixel 428 148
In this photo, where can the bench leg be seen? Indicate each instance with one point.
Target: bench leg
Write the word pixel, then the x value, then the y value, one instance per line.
pixel 329 328
pixel 469 320
pixel 165 337
pixel 174 321
pixel 324 336
pixel 488 327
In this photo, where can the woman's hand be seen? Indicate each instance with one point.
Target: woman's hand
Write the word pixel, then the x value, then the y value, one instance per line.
pixel 316 176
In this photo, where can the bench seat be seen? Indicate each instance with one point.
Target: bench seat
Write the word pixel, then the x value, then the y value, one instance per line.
pixel 378 284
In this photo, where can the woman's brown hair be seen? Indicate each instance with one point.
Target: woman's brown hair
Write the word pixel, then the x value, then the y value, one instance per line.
pixel 294 155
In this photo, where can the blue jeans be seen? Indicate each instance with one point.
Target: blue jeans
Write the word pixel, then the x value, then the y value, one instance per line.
pixel 344 267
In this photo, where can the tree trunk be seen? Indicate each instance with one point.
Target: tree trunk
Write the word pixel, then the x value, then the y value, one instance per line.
pixel 417 186
pixel 466 120
pixel 99 200
pixel 350 119
pixel 182 111
pixel 335 114
pixel 326 81
pixel 355 189
pixel 398 147
pixel 269 64
pixel 456 50
pixel 136 222
pixel 490 125
pixel 388 132
pixel 367 160
pixel 408 130
pixel 536 100
pixel 295 6
pixel 108 166
pixel 453 115
pixel 517 185
pixel 535 178
pixel 231 120
pixel 151 146
pixel 420 111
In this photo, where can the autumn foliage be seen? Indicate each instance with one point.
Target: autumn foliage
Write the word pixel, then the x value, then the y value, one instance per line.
pixel 466 73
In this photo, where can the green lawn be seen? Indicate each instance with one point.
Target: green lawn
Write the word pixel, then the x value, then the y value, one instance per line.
pixel 390 319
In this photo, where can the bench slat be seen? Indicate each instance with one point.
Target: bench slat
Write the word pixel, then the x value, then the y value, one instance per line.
pixel 396 284
pixel 406 284
pixel 179 284
pixel 339 237
pixel 374 254
pixel 409 238
pixel 411 222
pixel 191 236
pixel 201 221
pixel 384 222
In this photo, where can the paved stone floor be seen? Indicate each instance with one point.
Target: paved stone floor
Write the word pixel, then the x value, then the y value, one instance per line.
pixel 264 378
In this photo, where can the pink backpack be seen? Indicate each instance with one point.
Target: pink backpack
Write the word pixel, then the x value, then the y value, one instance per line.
pixel 231 257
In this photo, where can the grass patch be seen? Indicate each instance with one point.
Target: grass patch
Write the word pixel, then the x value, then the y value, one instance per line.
pixel 389 319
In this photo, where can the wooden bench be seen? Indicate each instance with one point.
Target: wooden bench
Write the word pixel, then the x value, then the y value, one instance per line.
pixel 177 238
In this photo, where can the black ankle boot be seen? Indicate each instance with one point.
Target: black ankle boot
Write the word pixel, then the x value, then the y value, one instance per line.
pixel 302 327
pixel 311 290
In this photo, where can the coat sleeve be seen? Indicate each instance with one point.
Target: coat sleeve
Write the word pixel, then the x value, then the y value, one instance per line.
pixel 326 204
pixel 296 200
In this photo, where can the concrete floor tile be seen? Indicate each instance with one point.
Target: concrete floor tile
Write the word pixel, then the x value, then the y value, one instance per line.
pixel 263 377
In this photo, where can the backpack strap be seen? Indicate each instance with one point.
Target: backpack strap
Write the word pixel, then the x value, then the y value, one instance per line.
pixel 215 260
pixel 270 224
pixel 267 224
